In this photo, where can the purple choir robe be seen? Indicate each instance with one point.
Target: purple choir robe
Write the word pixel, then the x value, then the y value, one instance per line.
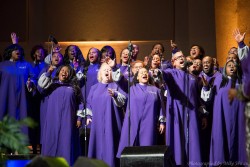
pixel 244 56
pixel 124 70
pixel 14 94
pixel 34 103
pixel 228 129
pixel 91 78
pixel 210 79
pixel 38 68
pixel 145 109
pixel 205 134
pixel 165 64
pixel 246 71
pixel 182 99
pixel 43 102
pixel 106 123
pixel 60 134
pixel 12 88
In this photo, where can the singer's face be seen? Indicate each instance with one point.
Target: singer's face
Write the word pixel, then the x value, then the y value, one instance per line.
pixel 157 49
pixel 125 55
pixel 93 55
pixel 233 57
pixel 207 65
pixel 233 50
pixel 230 69
pixel 39 55
pixel 16 55
pixel 135 51
pixel 196 67
pixel 136 67
pixel 143 76
pixel 156 61
pixel 178 60
pixel 72 52
pixel 195 52
pixel 105 54
pixel 57 59
pixel 64 74
pixel 198 64
pixel 106 73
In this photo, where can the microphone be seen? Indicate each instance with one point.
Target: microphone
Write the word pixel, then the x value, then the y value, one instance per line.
pixel 188 63
pixel 130 47
pixel 53 39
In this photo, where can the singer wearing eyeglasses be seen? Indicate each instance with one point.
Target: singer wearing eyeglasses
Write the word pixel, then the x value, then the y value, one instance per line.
pixel 182 132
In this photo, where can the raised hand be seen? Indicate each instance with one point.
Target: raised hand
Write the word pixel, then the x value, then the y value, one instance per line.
pixel 111 92
pixel 204 123
pixel 146 59
pixel 238 36
pixel 173 45
pixel 29 83
pixel 75 63
pixel 88 121
pixel 232 93
pixel 110 62
pixel 155 72
pixel 14 38
pixel 161 128
pixel 78 124
pixel 57 48
pixel 51 69
pixel 204 81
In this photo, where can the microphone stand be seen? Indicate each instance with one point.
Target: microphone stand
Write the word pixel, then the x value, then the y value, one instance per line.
pixel 130 48
pixel 186 108
pixel 51 50
pixel 85 112
pixel 53 41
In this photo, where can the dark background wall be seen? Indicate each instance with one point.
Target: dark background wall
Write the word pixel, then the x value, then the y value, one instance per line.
pixel 195 24
pixel 187 22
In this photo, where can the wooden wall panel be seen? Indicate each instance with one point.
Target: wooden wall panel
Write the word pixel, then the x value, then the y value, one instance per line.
pixel 13 18
pixel 115 20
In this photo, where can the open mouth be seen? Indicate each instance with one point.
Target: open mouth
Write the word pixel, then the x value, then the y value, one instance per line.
pixel 194 67
pixel 182 62
pixel 145 77
pixel 125 57
pixel 193 53
pixel 157 52
pixel 155 64
pixel 232 71
pixel 64 76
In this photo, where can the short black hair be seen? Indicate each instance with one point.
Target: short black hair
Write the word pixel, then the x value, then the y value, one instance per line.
pixel 8 51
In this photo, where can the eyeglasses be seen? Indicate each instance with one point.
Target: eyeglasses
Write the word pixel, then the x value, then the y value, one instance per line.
pixel 197 64
pixel 179 57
